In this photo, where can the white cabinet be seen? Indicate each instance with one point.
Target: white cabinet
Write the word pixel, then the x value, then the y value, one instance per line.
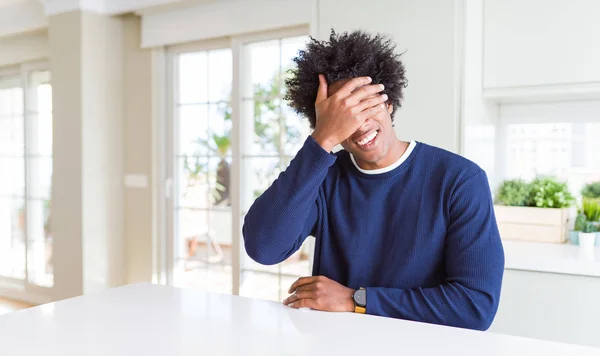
pixel 537 43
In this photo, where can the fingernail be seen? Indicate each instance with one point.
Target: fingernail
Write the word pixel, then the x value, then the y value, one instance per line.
pixel 369 79
pixel 384 97
pixel 382 86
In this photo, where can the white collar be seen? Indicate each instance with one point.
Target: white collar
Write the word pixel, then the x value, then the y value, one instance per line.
pixel 396 164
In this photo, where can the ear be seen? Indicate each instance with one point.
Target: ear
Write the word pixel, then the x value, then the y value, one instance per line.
pixel 390 108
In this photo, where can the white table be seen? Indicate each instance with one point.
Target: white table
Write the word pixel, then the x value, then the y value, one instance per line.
pixel 150 320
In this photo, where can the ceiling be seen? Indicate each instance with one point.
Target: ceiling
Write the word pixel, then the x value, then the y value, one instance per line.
pixel 11 2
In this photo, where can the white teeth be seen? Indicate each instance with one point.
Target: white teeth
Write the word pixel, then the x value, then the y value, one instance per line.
pixel 368 138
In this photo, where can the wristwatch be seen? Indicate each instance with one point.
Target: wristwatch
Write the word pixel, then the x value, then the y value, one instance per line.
pixel 360 301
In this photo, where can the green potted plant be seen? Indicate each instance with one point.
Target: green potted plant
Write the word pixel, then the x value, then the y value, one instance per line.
pixel 590 208
pixel 591 190
pixel 533 211
pixel 587 232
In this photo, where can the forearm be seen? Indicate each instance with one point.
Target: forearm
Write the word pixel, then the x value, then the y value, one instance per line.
pixel 450 304
pixel 283 215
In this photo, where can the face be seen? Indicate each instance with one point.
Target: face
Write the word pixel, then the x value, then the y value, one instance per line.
pixel 371 143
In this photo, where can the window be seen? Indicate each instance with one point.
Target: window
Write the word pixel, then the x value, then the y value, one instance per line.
pixel 201 159
pixel 278 133
pixel 26 179
pixel 554 139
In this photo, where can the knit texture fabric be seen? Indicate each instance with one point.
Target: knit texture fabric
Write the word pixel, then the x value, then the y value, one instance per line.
pixel 422 238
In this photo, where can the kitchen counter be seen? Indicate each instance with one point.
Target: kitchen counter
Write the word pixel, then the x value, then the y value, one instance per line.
pixel 551 258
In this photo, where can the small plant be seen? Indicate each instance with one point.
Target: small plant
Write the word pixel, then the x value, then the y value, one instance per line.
pixel 589 227
pixel 591 209
pixel 550 193
pixel 514 192
pixel 591 190
pixel 580 222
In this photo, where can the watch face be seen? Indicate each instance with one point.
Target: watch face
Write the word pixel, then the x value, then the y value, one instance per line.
pixel 360 298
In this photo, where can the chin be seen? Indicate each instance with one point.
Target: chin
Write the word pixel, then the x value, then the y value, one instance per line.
pixel 369 157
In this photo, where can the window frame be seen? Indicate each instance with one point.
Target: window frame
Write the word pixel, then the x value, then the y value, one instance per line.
pixel 237 44
pixel 11 286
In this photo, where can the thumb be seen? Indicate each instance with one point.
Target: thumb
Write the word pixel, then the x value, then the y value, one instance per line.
pixel 322 92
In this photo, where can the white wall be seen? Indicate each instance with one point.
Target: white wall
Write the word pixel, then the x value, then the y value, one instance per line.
pixel 22 17
pixel 541 42
pixel 88 193
pixel 428 30
pixel 103 147
pixel 479 117
pixel 555 307
pixel 225 18
pixel 23 48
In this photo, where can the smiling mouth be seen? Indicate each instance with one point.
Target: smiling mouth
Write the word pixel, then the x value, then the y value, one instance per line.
pixel 367 140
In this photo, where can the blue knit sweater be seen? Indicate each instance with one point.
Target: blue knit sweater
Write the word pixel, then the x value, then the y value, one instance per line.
pixel 422 238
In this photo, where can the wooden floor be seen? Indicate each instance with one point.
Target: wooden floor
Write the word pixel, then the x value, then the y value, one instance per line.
pixel 8 306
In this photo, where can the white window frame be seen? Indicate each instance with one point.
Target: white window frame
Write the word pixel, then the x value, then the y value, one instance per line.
pixel 236 43
pixel 22 289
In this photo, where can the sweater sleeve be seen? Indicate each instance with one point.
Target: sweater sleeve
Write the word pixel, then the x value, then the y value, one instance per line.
pixel 280 219
pixel 474 256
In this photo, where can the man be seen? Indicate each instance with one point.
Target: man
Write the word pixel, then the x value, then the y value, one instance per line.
pixel 403 229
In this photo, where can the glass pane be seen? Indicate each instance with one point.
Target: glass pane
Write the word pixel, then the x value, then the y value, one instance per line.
pixel 289 50
pixel 11 136
pixel 12 238
pixel 267 128
pixel 265 68
pixel 296 130
pixel 40 100
pixel 265 285
pixel 12 176
pixel 193 130
pixel 40 177
pixel 204 249
pixel 193 77
pixel 11 97
pixel 219 119
pixel 568 151
pixel 215 278
pixel 40 134
pixel 39 263
pixel 220 75
pixel 193 186
pixel 219 180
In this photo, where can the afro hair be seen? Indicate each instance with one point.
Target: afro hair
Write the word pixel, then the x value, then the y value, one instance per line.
pixel 344 56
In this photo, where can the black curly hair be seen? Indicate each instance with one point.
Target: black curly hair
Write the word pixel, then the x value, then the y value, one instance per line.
pixel 344 56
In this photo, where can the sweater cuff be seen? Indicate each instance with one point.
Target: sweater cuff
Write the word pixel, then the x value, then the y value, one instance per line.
pixel 373 302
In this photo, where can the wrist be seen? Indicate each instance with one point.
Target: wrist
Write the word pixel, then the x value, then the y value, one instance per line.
pixel 324 142
pixel 351 305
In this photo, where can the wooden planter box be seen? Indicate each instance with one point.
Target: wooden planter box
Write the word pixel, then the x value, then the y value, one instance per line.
pixel 532 224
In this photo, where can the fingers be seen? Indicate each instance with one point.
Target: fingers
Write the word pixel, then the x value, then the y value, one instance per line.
pixel 301 294
pixel 300 282
pixel 371 102
pixel 370 112
pixel 304 303
pixel 365 92
pixel 322 91
pixel 352 84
